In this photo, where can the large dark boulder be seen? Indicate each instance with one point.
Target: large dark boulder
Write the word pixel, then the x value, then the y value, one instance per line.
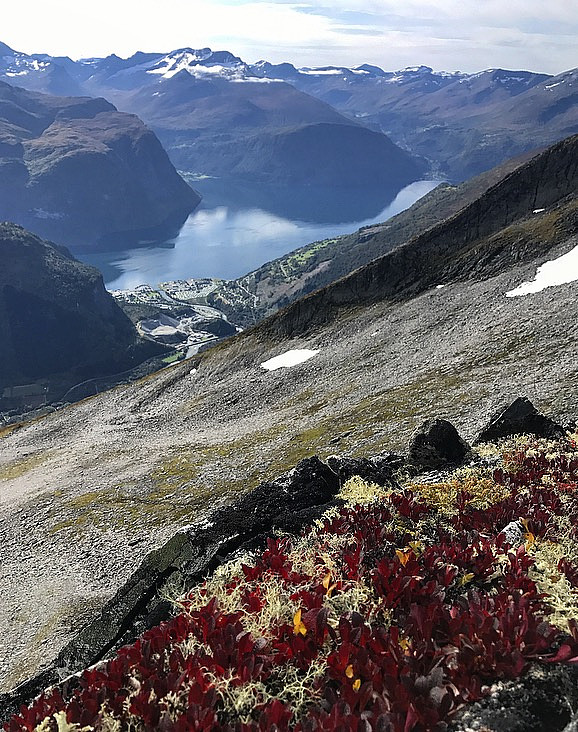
pixel 436 444
pixel 520 417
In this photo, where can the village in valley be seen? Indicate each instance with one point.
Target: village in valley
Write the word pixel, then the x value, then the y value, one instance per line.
pixel 189 315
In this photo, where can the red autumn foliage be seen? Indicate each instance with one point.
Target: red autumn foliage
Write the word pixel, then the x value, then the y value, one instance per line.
pixel 448 619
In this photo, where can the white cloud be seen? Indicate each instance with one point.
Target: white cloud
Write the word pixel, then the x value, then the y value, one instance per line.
pixel 450 34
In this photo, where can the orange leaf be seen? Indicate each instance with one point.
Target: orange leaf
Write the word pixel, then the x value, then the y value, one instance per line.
pixel 349 671
pixel 327 580
pixel 405 645
pixel 403 555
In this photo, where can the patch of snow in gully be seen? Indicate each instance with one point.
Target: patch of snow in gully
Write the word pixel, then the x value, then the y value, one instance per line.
pixel 288 359
pixel 551 274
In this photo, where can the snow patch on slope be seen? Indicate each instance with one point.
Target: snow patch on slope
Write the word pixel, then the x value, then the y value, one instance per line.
pixel 288 359
pixel 559 271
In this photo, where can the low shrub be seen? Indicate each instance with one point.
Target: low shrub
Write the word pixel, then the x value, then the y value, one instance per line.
pixel 387 615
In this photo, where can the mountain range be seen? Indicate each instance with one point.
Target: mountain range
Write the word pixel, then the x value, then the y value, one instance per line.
pixel 216 117
pixel 201 101
pixel 435 327
pixel 463 123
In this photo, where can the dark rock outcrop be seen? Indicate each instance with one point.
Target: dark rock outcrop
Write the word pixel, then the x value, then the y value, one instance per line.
pixel 436 444
pixel 77 171
pixel 543 700
pixel 378 469
pixel 520 417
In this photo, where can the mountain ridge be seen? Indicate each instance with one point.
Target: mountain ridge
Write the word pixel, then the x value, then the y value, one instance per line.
pixel 399 271
pixel 315 265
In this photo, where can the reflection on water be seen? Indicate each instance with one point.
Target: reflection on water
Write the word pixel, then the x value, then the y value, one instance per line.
pixel 227 241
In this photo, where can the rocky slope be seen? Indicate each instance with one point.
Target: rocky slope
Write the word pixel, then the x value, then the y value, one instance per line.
pixel 88 491
pixel 58 325
pixel 473 566
pixel 79 172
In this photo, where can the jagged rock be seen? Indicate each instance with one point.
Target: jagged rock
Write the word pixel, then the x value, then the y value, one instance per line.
pixel 520 417
pixel 545 699
pixel 436 444
pixel 290 502
pixel 378 469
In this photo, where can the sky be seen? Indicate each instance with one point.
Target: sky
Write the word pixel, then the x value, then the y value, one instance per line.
pixel 465 35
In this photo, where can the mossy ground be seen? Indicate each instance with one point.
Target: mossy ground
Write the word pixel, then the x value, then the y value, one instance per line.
pixel 21 466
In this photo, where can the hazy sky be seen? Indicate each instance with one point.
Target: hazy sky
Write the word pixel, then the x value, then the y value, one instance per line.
pixel 467 35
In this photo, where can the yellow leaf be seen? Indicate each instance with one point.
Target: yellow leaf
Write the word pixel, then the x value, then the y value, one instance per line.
pixel 349 671
pixel 298 626
pixel 466 578
pixel 405 644
pixel 356 684
pixel 416 546
pixel 327 580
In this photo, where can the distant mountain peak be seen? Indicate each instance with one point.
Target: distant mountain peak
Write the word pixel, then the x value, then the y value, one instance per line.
pixel 416 70
pixel 199 62
pixel 371 69
pixel 6 50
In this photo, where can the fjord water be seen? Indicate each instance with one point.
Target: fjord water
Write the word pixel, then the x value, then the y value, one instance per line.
pixel 235 231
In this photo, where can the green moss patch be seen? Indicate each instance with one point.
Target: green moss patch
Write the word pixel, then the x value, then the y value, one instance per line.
pixel 21 466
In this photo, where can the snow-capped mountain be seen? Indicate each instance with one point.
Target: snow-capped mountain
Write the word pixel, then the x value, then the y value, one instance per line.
pixel 201 63
pixel 464 123
pixel 38 72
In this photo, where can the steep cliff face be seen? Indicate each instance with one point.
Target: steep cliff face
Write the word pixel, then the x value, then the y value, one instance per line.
pixel 58 324
pixel 79 172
